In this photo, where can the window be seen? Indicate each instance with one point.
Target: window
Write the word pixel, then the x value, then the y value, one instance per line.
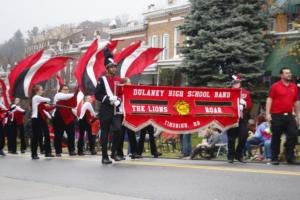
pixel 154 41
pixel 177 34
pixel 166 44
pixel 161 46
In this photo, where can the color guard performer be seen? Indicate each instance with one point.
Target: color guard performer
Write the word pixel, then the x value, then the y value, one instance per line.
pixel 19 122
pixel 86 117
pixel 36 99
pixel 64 119
pixel 3 110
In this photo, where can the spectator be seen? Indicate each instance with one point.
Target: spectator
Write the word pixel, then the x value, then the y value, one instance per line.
pixel 282 111
pixel 261 138
pixel 140 149
pixel 208 146
pixel 186 144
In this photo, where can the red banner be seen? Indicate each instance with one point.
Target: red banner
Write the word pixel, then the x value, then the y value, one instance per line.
pixel 180 109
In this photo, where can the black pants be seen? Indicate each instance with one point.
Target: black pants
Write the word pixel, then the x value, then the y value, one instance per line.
pixel 11 136
pixel 240 133
pixel 59 128
pixel 36 134
pixel 41 143
pixel 20 129
pixel 2 137
pixel 132 141
pixel 118 143
pixel 150 130
pixel 85 127
pixel 283 124
pixel 110 125
pixel 40 130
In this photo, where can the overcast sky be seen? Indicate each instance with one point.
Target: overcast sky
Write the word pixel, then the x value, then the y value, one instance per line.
pixel 25 14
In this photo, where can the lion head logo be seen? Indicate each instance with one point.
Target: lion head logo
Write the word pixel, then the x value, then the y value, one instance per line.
pixel 182 107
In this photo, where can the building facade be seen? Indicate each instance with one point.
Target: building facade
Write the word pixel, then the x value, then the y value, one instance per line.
pixel 285 36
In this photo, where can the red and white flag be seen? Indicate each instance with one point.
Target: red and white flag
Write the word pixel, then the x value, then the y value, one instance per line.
pixel 91 66
pixel 138 61
pixel 33 70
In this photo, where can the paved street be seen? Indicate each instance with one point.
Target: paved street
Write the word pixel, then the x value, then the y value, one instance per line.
pixel 85 178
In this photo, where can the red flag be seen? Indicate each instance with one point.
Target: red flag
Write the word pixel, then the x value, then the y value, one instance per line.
pixel 91 66
pixel 20 68
pixel 138 61
pixel 126 52
pixel 82 63
pixel 6 100
pixel 32 70
pixel 99 67
pixel 48 69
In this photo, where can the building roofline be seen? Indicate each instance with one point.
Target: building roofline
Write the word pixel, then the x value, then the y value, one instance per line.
pixel 128 29
pixel 165 11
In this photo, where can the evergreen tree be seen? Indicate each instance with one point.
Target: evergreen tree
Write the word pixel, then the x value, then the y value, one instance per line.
pixel 13 50
pixel 224 37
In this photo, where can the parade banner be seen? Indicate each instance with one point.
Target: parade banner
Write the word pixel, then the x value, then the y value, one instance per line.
pixel 180 109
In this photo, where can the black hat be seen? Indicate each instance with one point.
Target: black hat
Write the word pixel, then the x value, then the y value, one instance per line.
pixel 108 58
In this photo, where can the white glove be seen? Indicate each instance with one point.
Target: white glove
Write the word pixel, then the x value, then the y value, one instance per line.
pixel 113 98
pixel 243 102
pixel 241 107
pixel 117 103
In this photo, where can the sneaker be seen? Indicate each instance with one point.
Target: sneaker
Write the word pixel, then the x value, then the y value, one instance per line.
pixel 117 158
pixel 49 155
pixel 35 157
pixel 106 161
pixel 23 151
pixel 81 154
pixel 58 155
pixel 136 156
pixel 2 153
pixel 93 152
pixel 157 154
pixel 72 153
pixel 275 162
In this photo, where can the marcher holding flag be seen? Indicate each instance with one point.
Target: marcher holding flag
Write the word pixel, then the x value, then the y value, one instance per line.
pixel 240 132
pixel 104 94
pixel 36 99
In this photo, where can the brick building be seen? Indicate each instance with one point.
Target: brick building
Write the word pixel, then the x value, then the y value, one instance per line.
pixel 160 29
pixel 285 37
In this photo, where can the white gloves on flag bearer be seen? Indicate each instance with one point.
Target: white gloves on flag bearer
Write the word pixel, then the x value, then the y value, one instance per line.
pixel 114 101
pixel 243 104
pixel 113 98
